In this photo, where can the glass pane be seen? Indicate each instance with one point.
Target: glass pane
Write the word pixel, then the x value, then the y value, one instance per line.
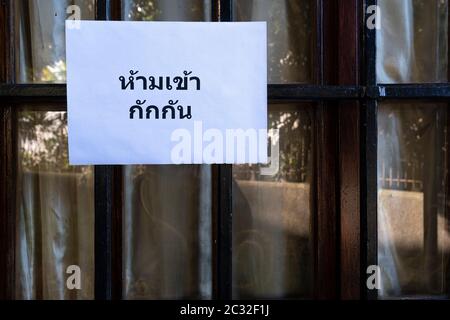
pixel 290 36
pixel 55 211
pixel 272 208
pixel 40 39
pixel 413 216
pixel 167 234
pixel 166 10
pixel 412 41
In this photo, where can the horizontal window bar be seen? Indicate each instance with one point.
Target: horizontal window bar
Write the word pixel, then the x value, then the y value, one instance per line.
pixel 289 92
pixel 276 92
pixel 409 91
pixel 25 92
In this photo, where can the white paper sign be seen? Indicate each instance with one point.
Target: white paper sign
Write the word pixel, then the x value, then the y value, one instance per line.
pixel 166 92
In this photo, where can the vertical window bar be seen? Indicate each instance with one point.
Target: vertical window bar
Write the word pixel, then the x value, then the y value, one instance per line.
pixel 224 234
pixel 325 166
pixel 447 165
pixel 349 152
pixel 226 10
pixel 7 203
pixel 103 10
pixel 103 208
pixel 8 156
pixel 115 13
pixel 222 11
pixel 369 190
pixel 103 232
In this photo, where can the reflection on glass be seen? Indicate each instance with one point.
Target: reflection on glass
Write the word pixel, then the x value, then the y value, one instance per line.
pixel 40 38
pixel 166 10
pixel 167 232
pixel 167 241
pixel 412 41
pixel 413 217
pixel 272 206
pixel 290 36
pixel 55 211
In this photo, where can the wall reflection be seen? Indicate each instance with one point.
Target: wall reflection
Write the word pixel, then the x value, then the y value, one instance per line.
pixel 413 210
pixel 272 213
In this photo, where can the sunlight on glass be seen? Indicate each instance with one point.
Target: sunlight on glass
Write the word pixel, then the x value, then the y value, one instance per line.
pixel 40 44
pixel 413 211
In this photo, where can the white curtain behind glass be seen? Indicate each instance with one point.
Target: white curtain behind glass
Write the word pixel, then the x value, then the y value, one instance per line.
pixel 40 45
pixel 55 202
pixel 55 223
pixel 412 41
pixel 413 241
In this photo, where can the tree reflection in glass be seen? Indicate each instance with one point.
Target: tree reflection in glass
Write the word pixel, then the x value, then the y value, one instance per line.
pixel 290 36
pixel 40 38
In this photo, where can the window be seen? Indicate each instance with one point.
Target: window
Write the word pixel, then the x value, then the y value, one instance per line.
pixel 358 171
